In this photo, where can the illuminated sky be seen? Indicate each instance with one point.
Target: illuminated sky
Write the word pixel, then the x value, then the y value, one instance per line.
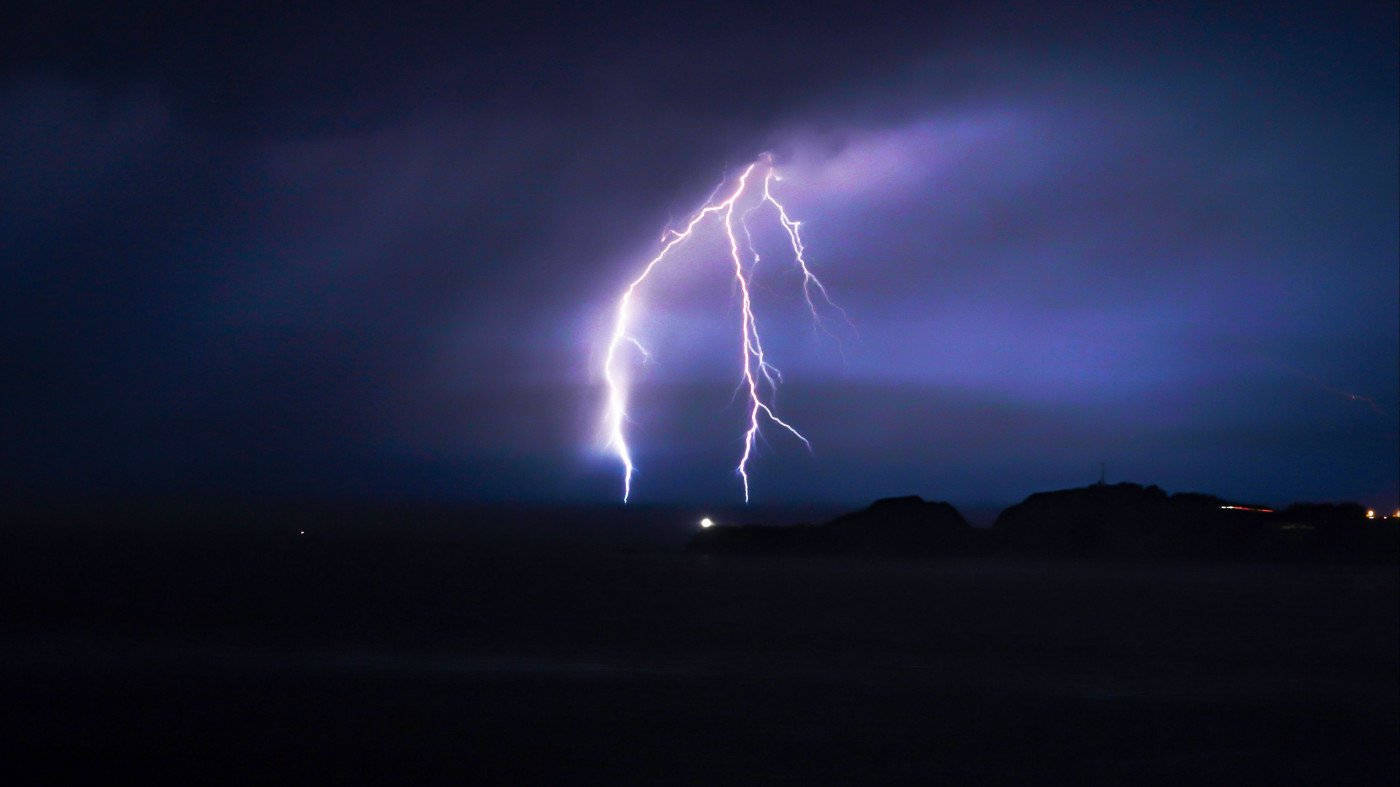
pixel 345 252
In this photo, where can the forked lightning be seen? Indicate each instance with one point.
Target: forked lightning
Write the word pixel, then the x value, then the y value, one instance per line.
pixel 753 362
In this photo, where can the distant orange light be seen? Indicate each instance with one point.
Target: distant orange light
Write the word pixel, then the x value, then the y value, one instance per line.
pixel 1250 508
pixel 1370 513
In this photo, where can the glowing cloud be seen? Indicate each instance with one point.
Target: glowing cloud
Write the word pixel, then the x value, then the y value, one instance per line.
pixel 753 362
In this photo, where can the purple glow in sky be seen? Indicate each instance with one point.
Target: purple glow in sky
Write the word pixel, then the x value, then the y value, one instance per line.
pixel 376 256
pixel 733 209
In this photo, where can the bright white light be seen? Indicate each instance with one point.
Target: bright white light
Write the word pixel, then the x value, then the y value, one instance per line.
pixel 707 522
pixel 755 369
pixel 1370 513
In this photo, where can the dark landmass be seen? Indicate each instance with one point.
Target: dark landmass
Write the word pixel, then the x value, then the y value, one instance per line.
pixel 1125 521
pixel 1133 521
pixel 908 526
pixel 208 643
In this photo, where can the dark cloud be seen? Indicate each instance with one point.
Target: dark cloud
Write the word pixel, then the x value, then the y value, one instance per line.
pixel 344 250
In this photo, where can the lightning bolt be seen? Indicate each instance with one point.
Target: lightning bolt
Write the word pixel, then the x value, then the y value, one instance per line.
pixel 753 362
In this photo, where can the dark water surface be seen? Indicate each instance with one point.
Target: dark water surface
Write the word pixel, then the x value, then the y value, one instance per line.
pixel 298 658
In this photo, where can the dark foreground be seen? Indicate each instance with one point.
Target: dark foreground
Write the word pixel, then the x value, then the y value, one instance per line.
pixel 282 657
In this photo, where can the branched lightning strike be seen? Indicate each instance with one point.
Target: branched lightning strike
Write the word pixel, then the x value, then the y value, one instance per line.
pixel 754 363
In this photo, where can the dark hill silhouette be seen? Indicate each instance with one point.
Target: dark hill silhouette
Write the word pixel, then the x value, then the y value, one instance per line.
pixel 1123 520
pixel 896 525
pixel 1131 520
pixel 902 524
pixel 1103 518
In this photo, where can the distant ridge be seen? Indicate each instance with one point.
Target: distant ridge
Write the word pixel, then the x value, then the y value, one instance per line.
pixel 894 525
pixel 1123 520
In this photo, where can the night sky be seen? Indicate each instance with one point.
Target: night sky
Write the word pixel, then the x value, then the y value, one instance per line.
pixel 349 252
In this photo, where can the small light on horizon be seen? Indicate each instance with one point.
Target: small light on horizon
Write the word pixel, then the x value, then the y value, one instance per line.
pixel 707 522
pixel 301 532
pixel 1370 513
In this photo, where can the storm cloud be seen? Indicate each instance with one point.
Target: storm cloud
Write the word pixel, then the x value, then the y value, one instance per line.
pixel 341 251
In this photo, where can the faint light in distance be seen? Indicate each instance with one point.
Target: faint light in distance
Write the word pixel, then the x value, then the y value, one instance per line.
pixel 1370 513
